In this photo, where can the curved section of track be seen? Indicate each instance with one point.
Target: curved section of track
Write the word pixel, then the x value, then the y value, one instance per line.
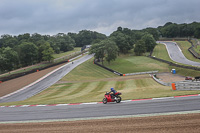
pixel 176 54
pixel 100 110
pixel 44 82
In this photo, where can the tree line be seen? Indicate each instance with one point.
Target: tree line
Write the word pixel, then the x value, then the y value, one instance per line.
pixel 172 30
pixel 141 41
pixel 122 41
pixel 26 49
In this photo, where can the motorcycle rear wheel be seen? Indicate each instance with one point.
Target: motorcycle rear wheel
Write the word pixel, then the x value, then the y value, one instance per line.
pixel 104 101
pixel 118 99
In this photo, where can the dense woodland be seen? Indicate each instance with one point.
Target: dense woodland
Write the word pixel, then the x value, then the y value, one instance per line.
pixel 27 49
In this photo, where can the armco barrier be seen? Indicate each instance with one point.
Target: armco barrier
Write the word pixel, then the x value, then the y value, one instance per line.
pixel 191 50
pixel 191 85
pixel 160 82
pixel 140 73
pixel 115 72
pixel 173 64
pixel 176 65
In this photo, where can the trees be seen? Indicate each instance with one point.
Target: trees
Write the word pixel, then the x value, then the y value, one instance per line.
pixel 98 50
pixel 149 42
pixel 106 48
pixel 63 43
pixel 28 53
pixel 122 41
pixel 8 59
pixel 86 37
pixel 139 48
pixel 170 30
pixel 154 32
pixel 145 44
pixel 197 33
pixel 47 52
pixel 111 50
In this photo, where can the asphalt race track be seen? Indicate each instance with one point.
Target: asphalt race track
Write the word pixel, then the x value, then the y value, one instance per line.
pixel 176 54
pixel 165 105
pixel 44 83
pixel 99 110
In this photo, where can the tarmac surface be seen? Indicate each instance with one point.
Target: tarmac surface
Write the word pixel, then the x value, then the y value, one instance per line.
pixel 44 82
pixel 176 54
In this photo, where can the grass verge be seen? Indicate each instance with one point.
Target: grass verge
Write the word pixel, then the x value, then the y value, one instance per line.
pixel 160 51
pixel 87 72
pixel 131 64
pixel 89 82
pixel 136 88
pixel 185 45
pixel 76 49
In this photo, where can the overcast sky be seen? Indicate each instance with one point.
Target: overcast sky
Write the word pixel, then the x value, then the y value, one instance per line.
pixel 104 16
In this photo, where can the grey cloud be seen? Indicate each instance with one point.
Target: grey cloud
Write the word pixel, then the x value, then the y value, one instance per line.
pixel 53 16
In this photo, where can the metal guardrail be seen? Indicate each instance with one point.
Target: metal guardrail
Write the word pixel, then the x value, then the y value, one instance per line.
pixel 194 42
pixel 140 73
pixel 160 82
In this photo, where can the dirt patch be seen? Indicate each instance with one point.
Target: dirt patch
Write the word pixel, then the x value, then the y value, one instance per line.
pixel 171 123
pixel 16 84
pixel 169 77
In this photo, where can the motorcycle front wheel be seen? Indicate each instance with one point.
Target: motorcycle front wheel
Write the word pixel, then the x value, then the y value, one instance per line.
pixel 118 99
pixel 104 101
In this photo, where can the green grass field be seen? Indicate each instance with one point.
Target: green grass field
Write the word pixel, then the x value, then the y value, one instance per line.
pixel 76 49
pixel 94 91
pixel 160 51
pixel 184 45
pixel 132 64
pixel 89 82
pixel 88 71
pixel 197 49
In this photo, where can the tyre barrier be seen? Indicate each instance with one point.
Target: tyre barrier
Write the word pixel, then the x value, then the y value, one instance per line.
pixel 181 85
pixel 187 85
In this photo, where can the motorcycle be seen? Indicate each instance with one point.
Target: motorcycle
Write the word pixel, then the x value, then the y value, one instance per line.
pixel 109 98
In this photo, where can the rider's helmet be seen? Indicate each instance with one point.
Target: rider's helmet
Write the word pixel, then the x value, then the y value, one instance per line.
pixel 111 89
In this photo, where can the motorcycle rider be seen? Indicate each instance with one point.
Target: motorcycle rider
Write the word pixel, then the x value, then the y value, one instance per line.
pixel 113 91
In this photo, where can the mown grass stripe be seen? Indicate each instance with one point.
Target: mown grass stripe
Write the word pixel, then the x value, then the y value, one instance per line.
pixel 100 86
pixel 120 85
pixel 79 89
pixel 97 90
pixel 60 90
